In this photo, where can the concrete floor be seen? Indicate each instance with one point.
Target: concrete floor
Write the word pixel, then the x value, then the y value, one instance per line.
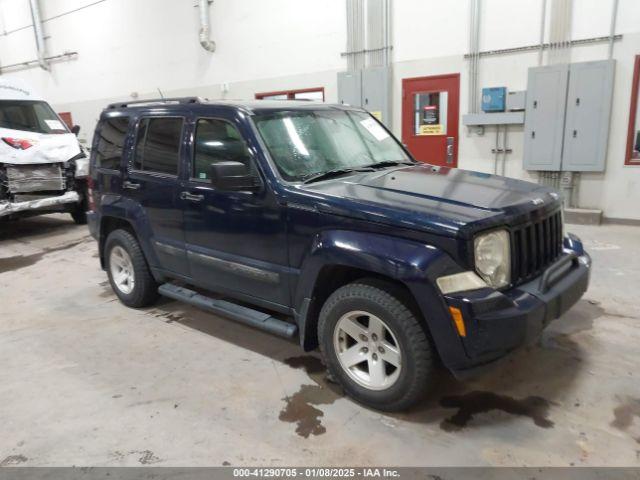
pixel 86 381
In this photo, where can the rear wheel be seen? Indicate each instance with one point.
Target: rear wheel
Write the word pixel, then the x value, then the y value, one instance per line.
pixel 375 347
pixel 128 271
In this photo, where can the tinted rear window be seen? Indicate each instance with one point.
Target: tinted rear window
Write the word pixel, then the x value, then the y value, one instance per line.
pixel 158 145
pixel 30 116
pixel 110 144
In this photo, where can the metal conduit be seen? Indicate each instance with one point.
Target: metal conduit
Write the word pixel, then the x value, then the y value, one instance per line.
pixel 205 29
pixel 612 30
pixel 37 29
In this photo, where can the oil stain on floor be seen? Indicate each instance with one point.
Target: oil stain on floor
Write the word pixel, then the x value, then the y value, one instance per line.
pixel 11 264
pixel 474 403
pixel 625 413
pixel 300 407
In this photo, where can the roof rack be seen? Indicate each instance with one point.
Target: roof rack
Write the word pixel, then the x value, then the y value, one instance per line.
pixel 155 101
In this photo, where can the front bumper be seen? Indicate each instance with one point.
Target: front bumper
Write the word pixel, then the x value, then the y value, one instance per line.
pixel 44 204
pixel 499 322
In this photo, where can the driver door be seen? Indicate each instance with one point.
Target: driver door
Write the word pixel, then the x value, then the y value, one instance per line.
pixel 236 240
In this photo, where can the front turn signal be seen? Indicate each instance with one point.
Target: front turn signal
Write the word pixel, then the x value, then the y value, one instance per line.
pixel 458 321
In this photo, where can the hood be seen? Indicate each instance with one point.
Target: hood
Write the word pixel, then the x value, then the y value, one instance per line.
pixel 437 199
pixel 46 148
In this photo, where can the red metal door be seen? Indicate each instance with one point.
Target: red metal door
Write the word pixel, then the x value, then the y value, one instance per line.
pixel 430 118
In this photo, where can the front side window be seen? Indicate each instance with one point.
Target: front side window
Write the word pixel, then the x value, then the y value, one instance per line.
pixel 111 138
pixel 30 116
pixel 306 143
pixel 158 145
pixel 217 141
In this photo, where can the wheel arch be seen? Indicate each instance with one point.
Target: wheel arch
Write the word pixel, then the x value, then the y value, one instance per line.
pixel 405 267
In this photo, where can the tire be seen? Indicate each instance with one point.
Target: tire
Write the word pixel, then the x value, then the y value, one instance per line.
pixel 79 216
pixel 79 212
pixel 139 289
pixel 403 385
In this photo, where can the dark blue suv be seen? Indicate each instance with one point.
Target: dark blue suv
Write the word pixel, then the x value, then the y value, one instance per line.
pixel 312 221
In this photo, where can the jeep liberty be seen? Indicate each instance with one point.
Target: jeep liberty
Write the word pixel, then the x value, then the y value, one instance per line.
pixel 312 221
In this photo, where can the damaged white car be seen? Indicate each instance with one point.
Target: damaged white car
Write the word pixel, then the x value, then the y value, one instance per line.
pixel 43 168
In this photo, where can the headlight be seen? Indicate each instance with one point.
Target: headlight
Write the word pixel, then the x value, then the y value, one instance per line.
pixel 493 258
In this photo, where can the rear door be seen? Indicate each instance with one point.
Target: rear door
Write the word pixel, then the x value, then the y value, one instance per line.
pixel 430 115
pixel 151 182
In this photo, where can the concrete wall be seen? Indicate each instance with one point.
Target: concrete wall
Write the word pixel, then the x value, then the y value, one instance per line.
pixel 128 46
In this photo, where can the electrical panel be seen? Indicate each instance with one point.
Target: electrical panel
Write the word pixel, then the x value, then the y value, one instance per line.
pixel 516 101
pixel 350 88
pixel 568 111
pixel 494 99
pixel 544 117
pixel 376 85
pixel 370 89
pixel 588 114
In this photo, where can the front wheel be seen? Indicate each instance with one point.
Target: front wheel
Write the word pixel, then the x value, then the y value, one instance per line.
pixel 128 271
pixel 375 347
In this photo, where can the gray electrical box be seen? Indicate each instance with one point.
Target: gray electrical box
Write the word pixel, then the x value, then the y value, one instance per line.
pixel 568 111
pixel 350 88
pixel 516 101
pixel 586 132
pixel 376 85
pixel 369 89
pixel 544 118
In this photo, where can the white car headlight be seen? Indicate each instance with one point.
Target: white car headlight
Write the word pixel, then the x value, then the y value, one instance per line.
pixel 493 257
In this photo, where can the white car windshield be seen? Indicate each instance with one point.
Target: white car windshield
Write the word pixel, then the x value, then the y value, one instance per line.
pixel 304 144
pixel 30 116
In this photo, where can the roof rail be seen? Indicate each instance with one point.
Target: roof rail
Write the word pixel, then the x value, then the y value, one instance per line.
pixel 178 100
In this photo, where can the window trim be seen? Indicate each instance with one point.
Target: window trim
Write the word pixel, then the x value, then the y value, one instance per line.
pixel 290 93
pixel 124 143
pixel 192 160
pixel 635 97
pixel 151 173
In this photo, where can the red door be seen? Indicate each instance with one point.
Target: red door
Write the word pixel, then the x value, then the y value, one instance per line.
pixel 430 118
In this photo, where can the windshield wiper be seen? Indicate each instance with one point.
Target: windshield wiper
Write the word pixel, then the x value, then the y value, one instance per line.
pixel 314 177
pixel 390 163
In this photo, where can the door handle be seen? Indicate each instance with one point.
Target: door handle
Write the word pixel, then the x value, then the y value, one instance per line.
pixel 130 185
pixel 191 197
pixel 450 142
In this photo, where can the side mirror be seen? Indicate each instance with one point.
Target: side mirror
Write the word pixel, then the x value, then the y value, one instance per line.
pixel 75 130
pixel 233 176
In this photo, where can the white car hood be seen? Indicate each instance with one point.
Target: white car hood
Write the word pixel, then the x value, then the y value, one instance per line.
pixel 47 148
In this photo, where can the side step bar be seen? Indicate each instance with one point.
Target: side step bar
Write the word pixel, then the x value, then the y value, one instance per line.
pixel 241 314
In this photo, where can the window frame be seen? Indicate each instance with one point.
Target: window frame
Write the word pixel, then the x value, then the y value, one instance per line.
pixel 635 98
pixel 290 93
pixel 192 160
pixel 134 150
pixel 123 154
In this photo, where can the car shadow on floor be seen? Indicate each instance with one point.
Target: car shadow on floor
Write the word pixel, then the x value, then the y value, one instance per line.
pixel 24 228
pixel 529 383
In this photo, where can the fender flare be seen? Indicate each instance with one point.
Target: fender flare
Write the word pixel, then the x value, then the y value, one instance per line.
pixel 130 212
pixel 416 265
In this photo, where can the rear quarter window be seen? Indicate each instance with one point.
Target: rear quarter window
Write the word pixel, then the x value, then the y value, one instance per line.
pixel 110 143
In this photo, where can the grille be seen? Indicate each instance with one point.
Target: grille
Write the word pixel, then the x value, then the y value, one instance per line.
pixel 536 245
pixel 34 178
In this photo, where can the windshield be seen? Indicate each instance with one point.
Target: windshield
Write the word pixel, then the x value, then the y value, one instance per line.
pixel 30 116
pixel 308 143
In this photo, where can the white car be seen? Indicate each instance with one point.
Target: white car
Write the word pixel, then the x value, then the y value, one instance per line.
pixel 43 169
